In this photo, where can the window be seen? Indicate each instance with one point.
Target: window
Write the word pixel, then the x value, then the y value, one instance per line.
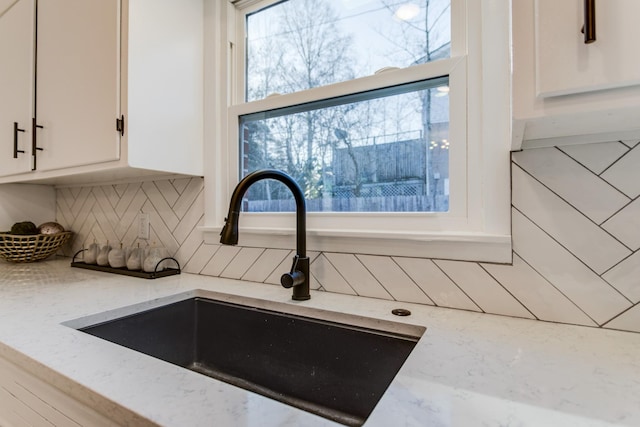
pixel 385 150
pixel 379 109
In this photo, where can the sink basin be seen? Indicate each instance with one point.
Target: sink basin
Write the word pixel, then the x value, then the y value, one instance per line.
pixel 334 370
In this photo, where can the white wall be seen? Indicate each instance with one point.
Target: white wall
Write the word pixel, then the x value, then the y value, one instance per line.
pixel 26 202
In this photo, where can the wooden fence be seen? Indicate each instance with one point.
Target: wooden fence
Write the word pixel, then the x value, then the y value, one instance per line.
pixel 355 204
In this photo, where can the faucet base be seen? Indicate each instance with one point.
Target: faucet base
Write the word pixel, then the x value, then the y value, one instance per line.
pixel 301 291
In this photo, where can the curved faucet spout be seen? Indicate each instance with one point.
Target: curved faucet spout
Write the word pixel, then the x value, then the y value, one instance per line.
pixel 298 278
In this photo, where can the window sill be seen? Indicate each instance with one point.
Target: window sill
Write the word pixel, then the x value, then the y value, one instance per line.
pixel 477 247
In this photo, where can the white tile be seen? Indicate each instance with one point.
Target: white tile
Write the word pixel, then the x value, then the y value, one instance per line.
pixel 574 183
pixel 201 258
pixel 167 190
pixel 358 276
pixel 130 236
pixel 188 196
pixel 436 284
pixel 627 321
pixel 83 212
pixel 128 218
pixel 160 234
pixel 280 269
pixel 394 279
pixel 64 200
pixel 189 247
pixel 120 189
pixel 587 290
pixel 596 157
pixel 105 207
pixel 132 192
pixel 535 293
pixel 220 260
pixel 84 231
pixel 76 191
pixel 566 225
pixel 328 277
pixel 107 229
pixel 180 184
pixel 630 143
pixel 482 288
pixel 190 219
pixel 98 233
pixel 625 277
pixel 63 215
pixel 625 225
pixel 111 194
pixel 78 204
pixel 241 263
pixel 625 173
pixel 265 265
pixel 160 205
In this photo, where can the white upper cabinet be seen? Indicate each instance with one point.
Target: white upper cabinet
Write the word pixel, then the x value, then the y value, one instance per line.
pixel 16 85
pixel 118 90
pixel 567 91
pixel 77 83
pixel 568 65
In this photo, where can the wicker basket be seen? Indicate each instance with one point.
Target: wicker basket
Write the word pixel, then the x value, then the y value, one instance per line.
pixel 29 248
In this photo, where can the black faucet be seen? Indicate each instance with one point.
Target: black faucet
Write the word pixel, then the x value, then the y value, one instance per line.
pixel 298 278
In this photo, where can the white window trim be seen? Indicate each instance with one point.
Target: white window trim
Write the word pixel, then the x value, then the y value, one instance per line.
pixel 477 227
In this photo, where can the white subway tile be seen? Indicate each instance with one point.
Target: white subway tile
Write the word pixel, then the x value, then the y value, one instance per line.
pixel 436 284
pixel 220 260
pixel 167 190
pixel 482 288
pixel 160 204
pixel 585 191
pixel 574 279
pixel 625 173
pixel 596 157
pixel 239 265
pixel 625 225
pixel 537 294
pixel 188 196
pixel 625 277
pixel 357 276
pixel 201 257
pixel 394 279
pixel 627 321
pixel 190 219
pixel 566 225
pixel 630 142
pixel 265 265
pixel 282 267
pixel 328 277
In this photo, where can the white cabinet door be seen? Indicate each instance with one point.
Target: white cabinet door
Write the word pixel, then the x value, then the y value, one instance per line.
pixel 566 65
pixel 77 83
pixel 16 85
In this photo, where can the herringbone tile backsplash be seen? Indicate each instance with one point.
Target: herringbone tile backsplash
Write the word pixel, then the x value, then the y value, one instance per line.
pixel 576 241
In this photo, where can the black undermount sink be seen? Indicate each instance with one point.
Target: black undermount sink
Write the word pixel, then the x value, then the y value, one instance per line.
pixel 333 370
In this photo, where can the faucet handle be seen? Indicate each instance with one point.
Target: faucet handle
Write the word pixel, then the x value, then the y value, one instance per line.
pixel 294 277
pixel 289 280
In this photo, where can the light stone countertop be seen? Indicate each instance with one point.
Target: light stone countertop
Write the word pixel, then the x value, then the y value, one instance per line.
pixel 468 369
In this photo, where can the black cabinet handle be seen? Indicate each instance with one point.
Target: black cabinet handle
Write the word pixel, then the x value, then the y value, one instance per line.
pixel 15 140
pixel 589 28
pixel 34 147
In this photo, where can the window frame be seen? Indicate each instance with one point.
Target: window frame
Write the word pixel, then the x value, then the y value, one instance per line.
pixel 477 226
